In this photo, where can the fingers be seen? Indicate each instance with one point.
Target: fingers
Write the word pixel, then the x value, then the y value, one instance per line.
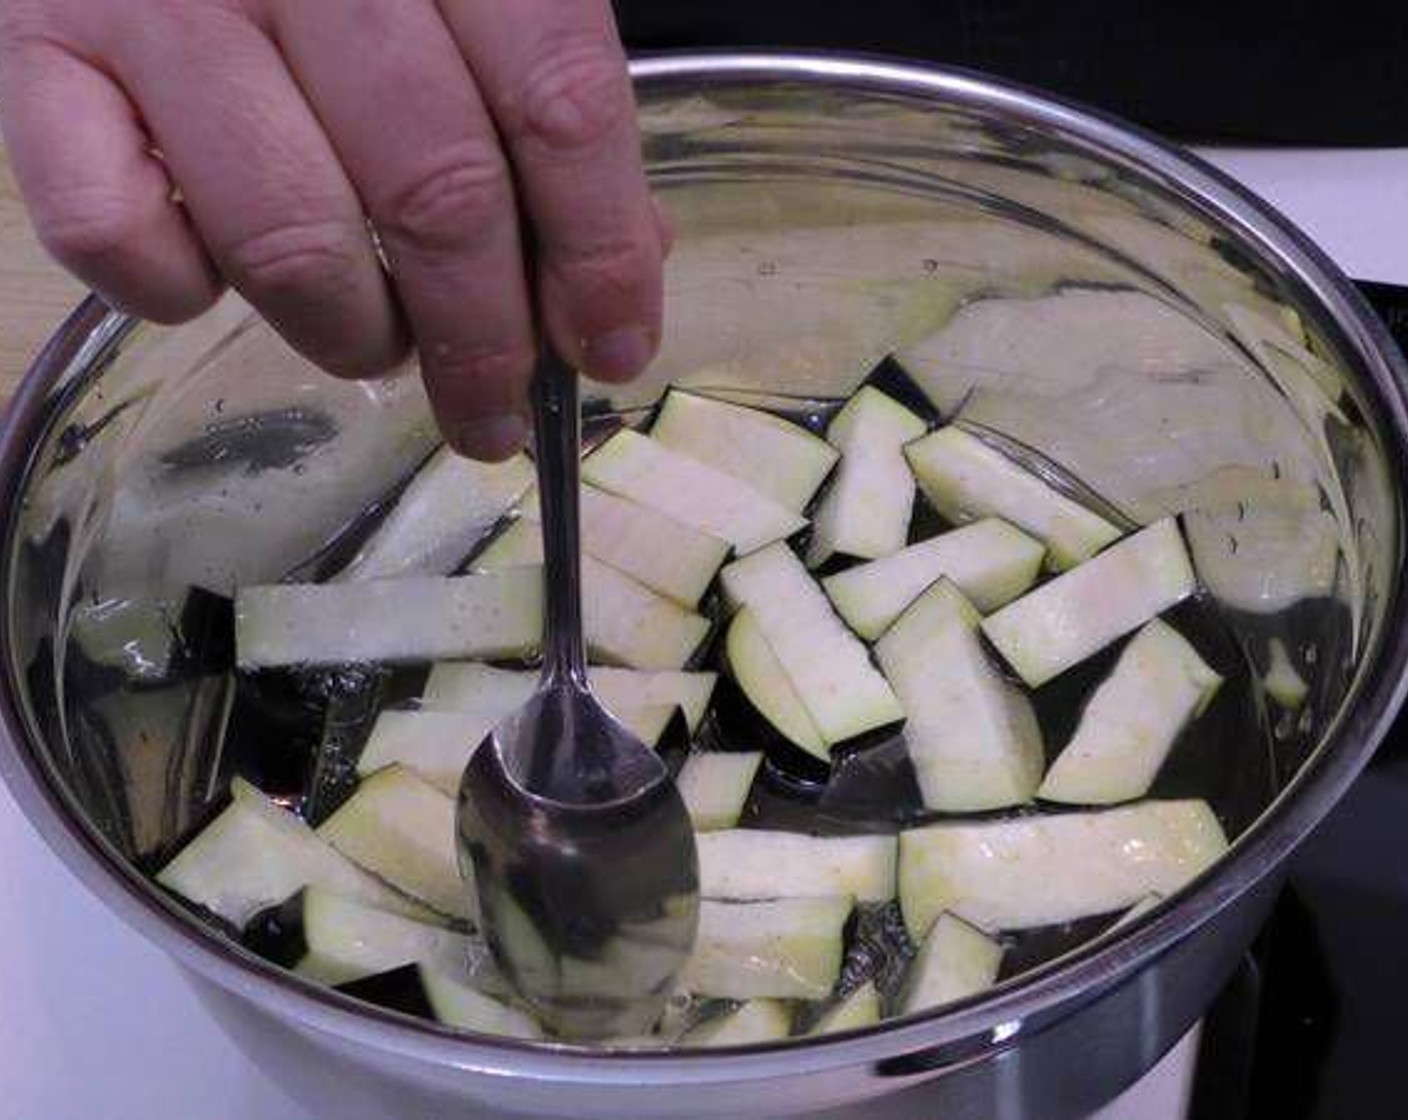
pixel 100 201
pixel 412 132
pixel 264 186
pixel 380 117
pixel 554 76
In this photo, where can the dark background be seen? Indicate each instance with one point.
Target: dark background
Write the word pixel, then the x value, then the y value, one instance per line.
pixel 1287 73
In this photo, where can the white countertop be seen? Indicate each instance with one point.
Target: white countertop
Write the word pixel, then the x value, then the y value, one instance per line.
pixel 90 1011
pixel 1353 203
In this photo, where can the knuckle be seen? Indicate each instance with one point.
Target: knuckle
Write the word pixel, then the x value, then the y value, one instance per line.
pixel 610 273
pixel 83 228
pixel 450 206
pixel 573 96
pixel 309 260
pixel 183 18
pixel 489 371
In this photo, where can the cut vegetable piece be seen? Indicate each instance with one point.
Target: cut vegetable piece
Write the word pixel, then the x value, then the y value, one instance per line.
pixel 437 745
pixel 520 545
pixel 715 786
pixel 649 723
pixel 642 470
pixel 972 736
pixel 625 688
pixel 497 614
pixel 865 512
pixel 625 622
pixel 774 456
pixel 1282 682
pixel 965 480
pixel 1045 870
pixel 790 948
pixel 1137 911
pixel 956 961
pixel 759 674
pixel 1157 687
pixel 991 562
pixel 628 624
pixel 940 606
pixel 859 1009
pixel 471 686
pixel 324 937
pixel 255 854
pixel 758 1020
pixel 830 670
pixel 1076 615
pixel 402 829
pixel 458 1005
pixel 665 555
pixel 746 863
pixel 450 505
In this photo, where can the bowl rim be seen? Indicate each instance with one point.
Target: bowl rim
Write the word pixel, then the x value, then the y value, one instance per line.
pixel 951 1035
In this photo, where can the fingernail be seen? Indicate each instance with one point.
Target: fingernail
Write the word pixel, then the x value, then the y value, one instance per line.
pixel 494 438
pixel 618 354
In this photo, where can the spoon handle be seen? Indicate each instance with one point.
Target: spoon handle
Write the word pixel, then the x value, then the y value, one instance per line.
pixel 557 434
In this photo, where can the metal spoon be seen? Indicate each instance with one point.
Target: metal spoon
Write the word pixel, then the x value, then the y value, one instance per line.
pixel 576 840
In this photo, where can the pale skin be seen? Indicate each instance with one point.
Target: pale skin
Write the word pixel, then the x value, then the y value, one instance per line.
pixel 166 148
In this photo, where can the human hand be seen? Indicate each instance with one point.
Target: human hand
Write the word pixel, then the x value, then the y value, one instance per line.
pixel 286 126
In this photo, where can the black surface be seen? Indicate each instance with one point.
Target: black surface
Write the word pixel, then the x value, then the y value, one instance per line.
pixel 1331 1045
pixel 1291 72
pixel 1222 1082
pixel 1391 302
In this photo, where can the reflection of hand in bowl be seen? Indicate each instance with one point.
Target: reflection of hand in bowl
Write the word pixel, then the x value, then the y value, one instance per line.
pixel 1085 302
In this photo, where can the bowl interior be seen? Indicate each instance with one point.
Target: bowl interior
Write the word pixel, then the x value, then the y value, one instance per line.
pixel 1040 278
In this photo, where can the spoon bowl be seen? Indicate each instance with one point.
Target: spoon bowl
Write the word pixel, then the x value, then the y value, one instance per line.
pixel 586 890
pixel 569 829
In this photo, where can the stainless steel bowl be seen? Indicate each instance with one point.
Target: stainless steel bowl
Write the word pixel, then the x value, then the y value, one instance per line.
pixel 830 210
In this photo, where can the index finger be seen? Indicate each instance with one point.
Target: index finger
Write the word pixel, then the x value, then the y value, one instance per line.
pixel 554 76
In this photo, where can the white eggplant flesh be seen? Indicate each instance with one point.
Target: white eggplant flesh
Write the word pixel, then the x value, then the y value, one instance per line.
pixel 782 459
pixel 990 561
pixel 747 863
pixel 966 479
pixel 866 509
pixel 486 615
pixel 1157 688
pixel 1079 613
pixel 844 694
pixel 1044 870
pixel 645 471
